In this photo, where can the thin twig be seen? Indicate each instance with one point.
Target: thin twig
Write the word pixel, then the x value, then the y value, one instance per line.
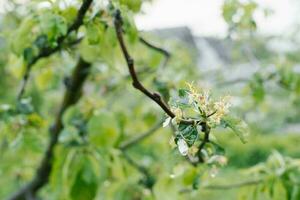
pixel 127 144
pixel 234 185
pixel 206 131
pixel 156 48
pixel 72 95
pixel 45 52
pixel 149 179
pixel 140 168
pixel 211 114
pixel 164 52
pixel 226 187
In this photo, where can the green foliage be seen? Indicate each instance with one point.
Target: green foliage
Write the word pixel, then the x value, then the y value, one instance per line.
pixel 258 148
pixel 187 132
pixel 240 15
pixel 238 126
pixel 22 37
pixel 257 88
pixel 52 25
pixel 198 105
pixel 134 5
pixel 102 130
pixel 278 173
pixel 88 161
pixel 85 183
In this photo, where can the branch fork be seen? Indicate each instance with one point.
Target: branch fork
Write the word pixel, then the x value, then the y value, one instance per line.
pixel 156 97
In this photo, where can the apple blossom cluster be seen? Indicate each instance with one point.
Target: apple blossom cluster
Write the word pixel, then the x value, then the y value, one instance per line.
pixel 199 108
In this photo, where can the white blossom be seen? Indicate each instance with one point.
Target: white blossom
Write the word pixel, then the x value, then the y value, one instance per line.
pixel 182 147
pixel 167 122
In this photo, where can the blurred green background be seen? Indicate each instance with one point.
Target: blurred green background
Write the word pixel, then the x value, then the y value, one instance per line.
pixel 260 70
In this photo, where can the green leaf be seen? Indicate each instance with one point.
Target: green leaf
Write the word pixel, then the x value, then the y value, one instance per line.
pixel 190 176
pixel 288 189
pixel 23 37
pixel 55 177
pixel 89 53
pixel 85 184
pixel 28 54
pixel 187 132
pixel 130 27
pixel 70 114
pixel 134 5
pixel 183 92
pixel 25 106
pixel 95 32
pixel 44 78
pixel 165 188
pixel 16 66
pixel 257 88
pixel 239 127
pixel 41 41
pixel 102 130
pixel 229 10
pixel 218 149
pixel 70 14
pixel 53 25
pixel 181 100
pixel 288 78
pixel 163 88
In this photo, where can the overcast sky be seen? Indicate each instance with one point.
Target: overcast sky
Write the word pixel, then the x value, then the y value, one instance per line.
pixel 204 16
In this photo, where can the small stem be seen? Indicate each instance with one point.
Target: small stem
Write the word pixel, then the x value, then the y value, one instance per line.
pixel 127 144
pixel 227 187
pixel 232 186
pixel 211 114
pixel 206 131
pixel 149 181
pixel 158 49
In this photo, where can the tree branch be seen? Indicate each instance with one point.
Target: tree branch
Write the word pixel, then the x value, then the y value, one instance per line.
pixel 152 95
pixel 45 52
pixel 130 63
pixel 135 81
pixel 71 96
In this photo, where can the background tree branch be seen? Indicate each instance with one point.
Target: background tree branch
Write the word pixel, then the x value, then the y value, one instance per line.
pixel 71 96
pixel 149 179
pixel 130 63
pixel 129 143
pixel 45 52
